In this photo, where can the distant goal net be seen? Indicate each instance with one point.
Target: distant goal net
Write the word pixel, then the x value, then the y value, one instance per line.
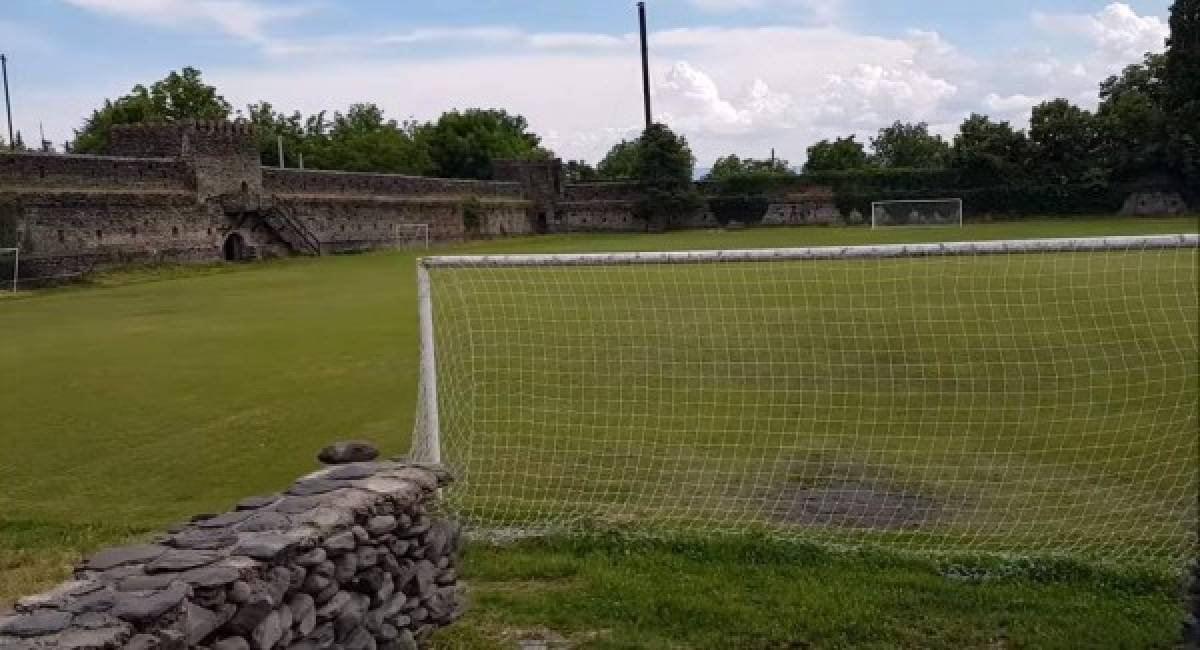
pixel 10 269
pixel 411 235
pixel 923 213
pixel 1008 396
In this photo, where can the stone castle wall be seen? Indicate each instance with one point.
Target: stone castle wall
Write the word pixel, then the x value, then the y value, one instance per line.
pixel 357 184
pixel 599 207
pixel 165 195
pixel 43 172
pixel 353 556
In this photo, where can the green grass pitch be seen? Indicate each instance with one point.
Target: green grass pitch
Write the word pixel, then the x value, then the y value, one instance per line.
pixel 152 395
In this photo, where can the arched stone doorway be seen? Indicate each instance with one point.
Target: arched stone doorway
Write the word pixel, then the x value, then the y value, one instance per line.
pixel 234 248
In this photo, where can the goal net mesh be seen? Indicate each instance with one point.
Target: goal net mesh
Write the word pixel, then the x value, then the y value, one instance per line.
pixel 947 212
pixel 1013 401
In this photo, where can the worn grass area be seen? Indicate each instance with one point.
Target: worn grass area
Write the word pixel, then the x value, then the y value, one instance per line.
pixel 756 593
pixel 153 394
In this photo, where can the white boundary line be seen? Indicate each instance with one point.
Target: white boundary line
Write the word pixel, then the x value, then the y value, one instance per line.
pixel 947 249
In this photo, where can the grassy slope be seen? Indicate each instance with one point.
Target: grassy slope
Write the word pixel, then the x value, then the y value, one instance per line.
pixel 161 394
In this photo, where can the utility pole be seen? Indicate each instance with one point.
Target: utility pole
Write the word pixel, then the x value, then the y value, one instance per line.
pixel 645 64
pixel 279 141
pixel 12 144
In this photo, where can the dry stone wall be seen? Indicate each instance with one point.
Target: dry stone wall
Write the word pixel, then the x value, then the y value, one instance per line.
pixel 353 556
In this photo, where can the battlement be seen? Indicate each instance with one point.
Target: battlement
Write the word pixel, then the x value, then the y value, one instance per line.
pixel 184 138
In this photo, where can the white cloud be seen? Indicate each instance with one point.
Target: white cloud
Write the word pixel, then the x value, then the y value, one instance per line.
pixel 1120 34
pixel 730 90
pixel 823 11
pixel 242 19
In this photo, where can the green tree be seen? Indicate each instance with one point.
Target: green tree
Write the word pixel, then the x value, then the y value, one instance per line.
pixel 732 166
pixel 840 154
pixel 578 171
pixel 989 152
pixel 464 144
pixel 1146 78
pixel 904 145
pixel 736 175
pixel 362 139
pixel 664 167
pixel 1132 119
pixel 1066 143
pixel 621 161
pixel 1182 89
pixel 179 96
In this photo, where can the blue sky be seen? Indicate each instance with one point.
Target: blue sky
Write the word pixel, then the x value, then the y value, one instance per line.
pixel 737 76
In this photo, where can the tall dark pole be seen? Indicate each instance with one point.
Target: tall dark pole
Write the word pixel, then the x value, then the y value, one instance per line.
pixel 645 64
pixel 12 144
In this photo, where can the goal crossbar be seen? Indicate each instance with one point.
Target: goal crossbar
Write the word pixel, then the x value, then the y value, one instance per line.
pixel 886 251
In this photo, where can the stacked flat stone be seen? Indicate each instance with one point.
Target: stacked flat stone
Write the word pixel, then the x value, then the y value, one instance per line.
pixel 349 557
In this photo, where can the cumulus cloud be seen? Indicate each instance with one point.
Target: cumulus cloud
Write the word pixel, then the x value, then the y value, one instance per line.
pixel 730 90
pixel 1119 33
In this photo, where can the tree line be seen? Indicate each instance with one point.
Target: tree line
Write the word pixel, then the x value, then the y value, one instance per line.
pixel 459 144
pixel 1147 124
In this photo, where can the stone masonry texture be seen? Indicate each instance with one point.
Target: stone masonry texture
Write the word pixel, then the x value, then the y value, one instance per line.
pixel 352 556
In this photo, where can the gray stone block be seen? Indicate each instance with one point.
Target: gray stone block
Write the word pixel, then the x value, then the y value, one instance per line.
pixel 39 623
pixel 181 560
pixel 350 451
pixel 116 557
pixel 143 607
pixel 267 633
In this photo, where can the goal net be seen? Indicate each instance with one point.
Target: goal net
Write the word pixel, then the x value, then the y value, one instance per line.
pixel 10 268
pixel 1015 396
pixel 931 212
pixel 411 235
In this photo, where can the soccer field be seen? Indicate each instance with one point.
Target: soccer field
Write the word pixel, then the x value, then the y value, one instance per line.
pixel 150 396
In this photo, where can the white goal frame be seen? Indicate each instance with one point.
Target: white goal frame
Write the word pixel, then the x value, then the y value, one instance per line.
pixel 16 252
pixel 427 442
pixel 958 202
pixel 420 232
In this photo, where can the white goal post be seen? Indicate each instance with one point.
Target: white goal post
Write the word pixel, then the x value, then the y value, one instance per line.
pixel 16 265
pixel 411 234
pixel 917 213
pixel 1020 396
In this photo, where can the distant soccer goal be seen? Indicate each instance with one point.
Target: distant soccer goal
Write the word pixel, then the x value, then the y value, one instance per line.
pixel 917 213
pixel 1005 396
pixel 10 268
pixel 411 235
